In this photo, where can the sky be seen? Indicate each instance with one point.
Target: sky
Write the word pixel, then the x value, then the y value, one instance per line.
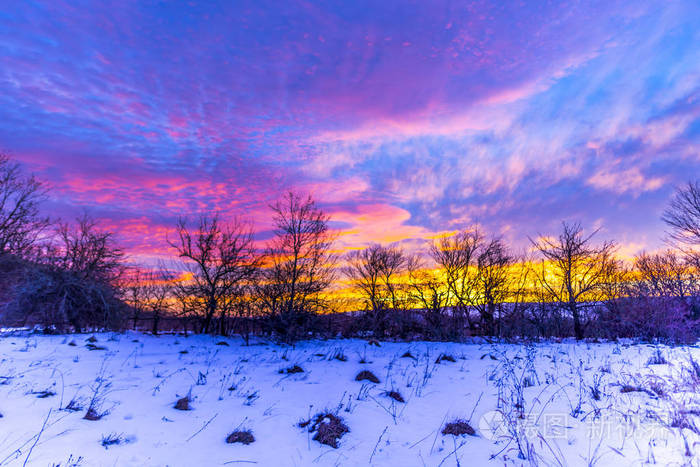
pixel 404 120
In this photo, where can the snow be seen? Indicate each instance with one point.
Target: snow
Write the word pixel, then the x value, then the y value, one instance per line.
pixel 138 379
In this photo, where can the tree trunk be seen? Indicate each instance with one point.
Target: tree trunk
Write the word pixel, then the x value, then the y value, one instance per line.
pixel 578 330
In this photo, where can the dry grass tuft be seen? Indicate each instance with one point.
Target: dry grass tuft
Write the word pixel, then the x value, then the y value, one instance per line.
pixel 366 375
pixel 93 415
pixel 112 439
pixel 458 428
pixel 91 346
pixel 183 403
pixel 329 428
pixel 445 358
pixel 292 370
pixel 241 436
pixel 396 395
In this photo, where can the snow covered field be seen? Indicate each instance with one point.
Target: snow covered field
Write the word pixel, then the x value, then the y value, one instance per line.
pixel 544 404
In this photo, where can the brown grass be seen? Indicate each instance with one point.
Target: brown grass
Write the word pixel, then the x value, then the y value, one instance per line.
pixel 445 358
pixel 458 428
pixel 93 415
pixel 292 370
pixel 329 428
pixel 241 436
pixel 183 403
pixel 91 346
pixel 366 375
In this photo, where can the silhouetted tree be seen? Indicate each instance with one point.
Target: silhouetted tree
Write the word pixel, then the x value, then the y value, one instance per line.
pixel 78 281
pixel 456 256
pixel 148 293
pixel 134 287
pixel 427 290
pixel 492 282
pixel 20 220
pixel 573 269
pixel 683 215
pixel 665 274
pixel 220 261
pixel 375 273
pixel 298 266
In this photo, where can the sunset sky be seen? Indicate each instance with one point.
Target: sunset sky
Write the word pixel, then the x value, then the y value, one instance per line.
pixel 403 119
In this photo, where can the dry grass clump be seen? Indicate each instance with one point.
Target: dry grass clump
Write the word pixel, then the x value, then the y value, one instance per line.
pixel 44 394
pixel 91 346
pixel 445 358
pixel 627 388
pixel 339 355
pixel 183 403
pixel 93 414
pixel 366 375
pixel 241 436
pixel 292 370
pixel 112 439
pixel 657 358
pixel 396 395
pixel 458 428
pixel 73 405
pixel 329 428
pixel 374 342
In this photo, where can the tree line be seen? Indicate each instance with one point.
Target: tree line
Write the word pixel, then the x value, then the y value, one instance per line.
pixel 74 276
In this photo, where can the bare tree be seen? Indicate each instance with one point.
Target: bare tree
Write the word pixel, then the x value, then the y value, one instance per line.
pixel 158 292
pixel 683 215
pixel 492 282
pixel 428 290
pixel 220 260
pixel 86 250
pixel 78 282
pixel 299 266
pixel 573 269
pixel 517 316
pixel 666 275
pixel 135 295
pixel 20 220
pixel 375 273
pixel 456 256
pixel 148 294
